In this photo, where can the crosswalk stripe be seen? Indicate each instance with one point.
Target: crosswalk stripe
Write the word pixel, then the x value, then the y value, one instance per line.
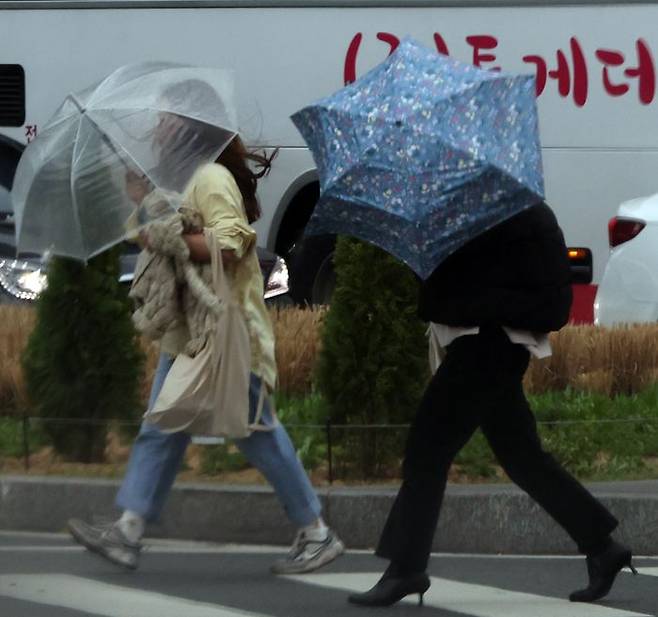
pixel 105 600
pixel 651 571
pixel 162 545
pixel 475 600
pixel 152 548
pixel 46 548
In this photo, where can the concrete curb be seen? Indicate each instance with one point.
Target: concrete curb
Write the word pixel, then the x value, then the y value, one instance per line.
pixel 475 518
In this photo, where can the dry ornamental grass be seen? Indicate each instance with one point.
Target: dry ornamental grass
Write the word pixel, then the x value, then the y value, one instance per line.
pixel 610 361
pixel 16 323
pixel 621 360
pixel 297 334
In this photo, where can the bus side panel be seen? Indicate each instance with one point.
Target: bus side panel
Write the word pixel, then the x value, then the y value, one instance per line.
pixel 594 64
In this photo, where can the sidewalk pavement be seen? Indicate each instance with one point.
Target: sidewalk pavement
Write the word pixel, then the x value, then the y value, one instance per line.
pixel 476 518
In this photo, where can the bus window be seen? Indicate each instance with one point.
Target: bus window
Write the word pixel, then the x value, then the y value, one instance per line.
pixel 12 95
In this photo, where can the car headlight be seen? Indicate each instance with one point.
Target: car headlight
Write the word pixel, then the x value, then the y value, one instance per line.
pixel 277 281
pixel 24 280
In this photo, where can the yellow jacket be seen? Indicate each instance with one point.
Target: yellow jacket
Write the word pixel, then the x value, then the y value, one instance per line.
pixel 213 192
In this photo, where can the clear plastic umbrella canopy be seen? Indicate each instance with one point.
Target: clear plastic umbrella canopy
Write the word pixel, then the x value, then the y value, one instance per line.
pixel 157 122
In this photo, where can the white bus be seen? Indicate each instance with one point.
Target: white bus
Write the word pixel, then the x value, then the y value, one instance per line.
pixel 595 63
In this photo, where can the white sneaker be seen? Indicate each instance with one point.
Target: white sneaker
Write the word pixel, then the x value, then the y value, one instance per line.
pixel 108 541
pixel 307 554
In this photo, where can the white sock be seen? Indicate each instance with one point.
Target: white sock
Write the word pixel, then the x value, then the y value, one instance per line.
pixel 132 526
pixel 317 531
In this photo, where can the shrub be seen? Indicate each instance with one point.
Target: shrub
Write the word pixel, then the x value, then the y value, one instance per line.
pixel 304 419
pixel 373 361
pixel 221 458
pixel 82 364
pixel 12 437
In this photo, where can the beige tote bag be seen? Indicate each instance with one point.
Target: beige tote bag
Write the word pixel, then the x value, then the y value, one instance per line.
pixel 208 394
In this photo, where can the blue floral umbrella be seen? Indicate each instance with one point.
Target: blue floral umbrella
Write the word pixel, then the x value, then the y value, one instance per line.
pixel 423 153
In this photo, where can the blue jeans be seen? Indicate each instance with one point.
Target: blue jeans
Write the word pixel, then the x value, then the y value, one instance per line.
pixel 156 458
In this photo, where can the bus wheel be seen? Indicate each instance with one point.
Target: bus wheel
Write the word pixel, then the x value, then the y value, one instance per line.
pixel 312 276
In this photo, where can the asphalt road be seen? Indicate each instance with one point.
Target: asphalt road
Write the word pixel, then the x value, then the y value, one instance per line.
pixel 48 576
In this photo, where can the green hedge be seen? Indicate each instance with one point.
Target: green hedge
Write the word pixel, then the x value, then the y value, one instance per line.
pixel 595 437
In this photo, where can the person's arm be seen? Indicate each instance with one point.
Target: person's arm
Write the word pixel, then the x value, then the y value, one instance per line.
pixel 199 250
pixel 219 201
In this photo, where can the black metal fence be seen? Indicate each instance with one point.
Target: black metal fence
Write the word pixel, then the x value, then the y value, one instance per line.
pixel 370 450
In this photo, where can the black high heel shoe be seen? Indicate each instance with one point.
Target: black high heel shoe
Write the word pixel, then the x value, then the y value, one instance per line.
pixel 602 570
pixel 391 588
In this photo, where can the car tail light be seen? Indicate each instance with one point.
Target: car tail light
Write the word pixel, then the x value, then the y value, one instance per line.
pixel 580 262
pixel 622 230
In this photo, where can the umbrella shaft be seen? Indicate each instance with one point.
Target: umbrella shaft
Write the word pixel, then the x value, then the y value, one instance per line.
pixel 104 137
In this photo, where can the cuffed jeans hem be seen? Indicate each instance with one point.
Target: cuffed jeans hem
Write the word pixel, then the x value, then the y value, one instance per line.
pixel 141 508
pixel 304 516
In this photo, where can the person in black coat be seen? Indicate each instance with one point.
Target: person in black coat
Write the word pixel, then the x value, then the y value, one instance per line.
pixel 495 299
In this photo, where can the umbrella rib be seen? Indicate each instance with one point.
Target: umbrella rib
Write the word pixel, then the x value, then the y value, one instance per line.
pixel 110 143
pixel 365 205
pixel 483 159
pixel 51 125
pixel 361 203
pixel 74 201
pixel 154 109
pixel 104 136
pixel 115 146
pixel 390 120
pixel 380 166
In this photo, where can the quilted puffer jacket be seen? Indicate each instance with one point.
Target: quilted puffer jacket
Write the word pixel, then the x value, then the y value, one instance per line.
pixel 168 289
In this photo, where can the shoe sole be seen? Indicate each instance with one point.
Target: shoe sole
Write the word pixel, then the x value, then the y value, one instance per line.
pixel 98 550
pixel 322 559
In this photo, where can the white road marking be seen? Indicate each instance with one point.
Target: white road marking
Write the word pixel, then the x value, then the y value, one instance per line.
pixel 651 571
pixel 46 548
pixel 153 548
pixel 105 600
pixel 164 545
pixel 30 534
pixel 474 600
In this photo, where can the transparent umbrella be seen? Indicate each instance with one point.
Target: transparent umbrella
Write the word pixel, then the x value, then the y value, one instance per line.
pixel 155 122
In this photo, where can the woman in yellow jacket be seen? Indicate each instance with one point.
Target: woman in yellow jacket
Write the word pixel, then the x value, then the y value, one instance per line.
pixel 224 193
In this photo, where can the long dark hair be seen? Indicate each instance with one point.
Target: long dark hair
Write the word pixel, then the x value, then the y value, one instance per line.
pixel 235 157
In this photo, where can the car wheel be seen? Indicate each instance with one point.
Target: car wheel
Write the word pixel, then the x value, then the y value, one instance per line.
pixel 312 276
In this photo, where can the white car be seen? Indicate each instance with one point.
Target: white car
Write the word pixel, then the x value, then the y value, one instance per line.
pixel 628 292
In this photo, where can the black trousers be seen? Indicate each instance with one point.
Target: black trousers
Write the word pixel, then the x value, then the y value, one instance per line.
pixel 479 384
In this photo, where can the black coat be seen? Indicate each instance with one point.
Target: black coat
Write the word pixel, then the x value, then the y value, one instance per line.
pixel 516 274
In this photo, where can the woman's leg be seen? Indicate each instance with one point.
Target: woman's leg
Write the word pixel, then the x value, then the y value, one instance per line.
pixel 511 430
pixel 449 413
pixel 272 453
pixel 512 433
pixel 154 460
